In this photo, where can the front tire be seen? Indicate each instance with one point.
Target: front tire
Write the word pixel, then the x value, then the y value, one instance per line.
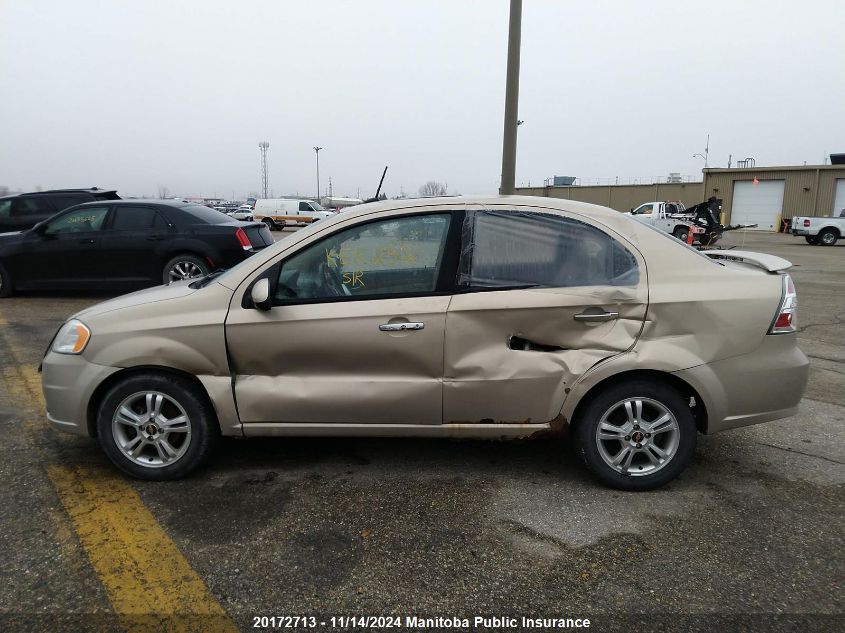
pixel 7 287
pixel 828 237
pixel 183 267
pixel 636 435
pixel 157 427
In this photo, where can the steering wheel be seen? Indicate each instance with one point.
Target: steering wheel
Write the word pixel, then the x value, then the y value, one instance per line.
pixel 333 280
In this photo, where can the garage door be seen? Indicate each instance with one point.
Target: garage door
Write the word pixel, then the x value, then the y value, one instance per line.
pixel 839 200
pixel 759 204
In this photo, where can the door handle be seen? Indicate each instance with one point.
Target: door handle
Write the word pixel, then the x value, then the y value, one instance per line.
pixel 398 327
pixel 87 241
pixel 596 316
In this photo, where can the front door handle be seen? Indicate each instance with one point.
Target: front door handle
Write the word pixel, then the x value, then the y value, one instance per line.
pixel 596 316
pixel 87 241
pixel 398 327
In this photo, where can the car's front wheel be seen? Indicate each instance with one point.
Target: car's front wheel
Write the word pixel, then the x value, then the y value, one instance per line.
pixel 184 267
pixel 156 426
pixel 6 286
pixel 636 435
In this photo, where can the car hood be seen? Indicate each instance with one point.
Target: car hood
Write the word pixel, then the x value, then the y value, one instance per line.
pixel 142 297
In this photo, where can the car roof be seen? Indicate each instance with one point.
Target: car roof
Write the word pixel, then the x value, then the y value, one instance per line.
pixel 143 201
pixel 561 204
pixel 91 190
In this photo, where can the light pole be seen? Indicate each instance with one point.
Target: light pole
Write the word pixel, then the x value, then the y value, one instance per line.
pixel 511 100
pixel 706 153
pixel 317 153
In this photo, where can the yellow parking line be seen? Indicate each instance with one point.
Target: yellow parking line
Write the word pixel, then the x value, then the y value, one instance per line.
pixel 150 584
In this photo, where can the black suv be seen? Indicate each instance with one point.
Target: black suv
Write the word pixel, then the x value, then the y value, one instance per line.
pixel 25 210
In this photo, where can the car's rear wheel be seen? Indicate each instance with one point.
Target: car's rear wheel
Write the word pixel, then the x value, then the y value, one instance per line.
pixel 156 426
pixel 184 267
pixel 828 237
pixel 6 286
pixel 812 239
pixel 636 435
pixel 681 233
pixel 270 224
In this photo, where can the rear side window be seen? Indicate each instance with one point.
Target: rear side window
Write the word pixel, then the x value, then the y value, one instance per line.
pixel 5 208
pixel 31 207
pixel 65 201
pixel 511 249
pixel 128 218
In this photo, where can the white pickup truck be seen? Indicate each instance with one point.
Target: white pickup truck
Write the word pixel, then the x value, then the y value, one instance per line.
pixel 671 217
pixel 820 231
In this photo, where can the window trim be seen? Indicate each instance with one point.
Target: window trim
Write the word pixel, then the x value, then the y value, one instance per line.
pixel 444 286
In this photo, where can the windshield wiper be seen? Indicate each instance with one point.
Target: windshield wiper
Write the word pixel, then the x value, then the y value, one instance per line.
pixel 202 282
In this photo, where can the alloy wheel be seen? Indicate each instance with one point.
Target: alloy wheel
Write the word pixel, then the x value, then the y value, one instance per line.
pixel 637 436
pixel 151 429
pixel 185 269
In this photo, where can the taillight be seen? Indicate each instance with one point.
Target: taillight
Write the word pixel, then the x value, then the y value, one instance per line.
pixel 243 239
pixel 784 322
pixel 806 222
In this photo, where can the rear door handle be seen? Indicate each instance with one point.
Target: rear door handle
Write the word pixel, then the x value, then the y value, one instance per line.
pixel 87 241
pixel 398 327
pixel 596 316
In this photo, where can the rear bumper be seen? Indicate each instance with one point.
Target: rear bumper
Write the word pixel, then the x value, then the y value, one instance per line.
pixel 800 232
pixel 765 385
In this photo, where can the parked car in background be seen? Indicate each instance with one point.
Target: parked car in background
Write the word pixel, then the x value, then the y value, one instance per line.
pixel 669 217
pixel 820 231
pixel 451 317
pixel 25 210
pixel 243 212
pixel 125 244
pixel 279 212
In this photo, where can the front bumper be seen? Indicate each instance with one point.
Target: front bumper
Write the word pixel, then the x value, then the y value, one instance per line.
pixel 765 385
pixel 68 382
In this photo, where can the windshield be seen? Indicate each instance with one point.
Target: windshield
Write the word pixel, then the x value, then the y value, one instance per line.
pixel 206 215
pixel 316 206
pixel 269 252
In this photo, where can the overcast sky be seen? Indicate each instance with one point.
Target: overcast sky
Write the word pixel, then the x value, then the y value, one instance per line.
pixel 136 95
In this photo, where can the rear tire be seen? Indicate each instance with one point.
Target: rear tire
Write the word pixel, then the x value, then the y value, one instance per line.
pixel 681 233
pixel 660 439
pixel 270 224
pixel 828 237
pixel 184 267
pixel 169 444
pixel 812 239
pixel 7 287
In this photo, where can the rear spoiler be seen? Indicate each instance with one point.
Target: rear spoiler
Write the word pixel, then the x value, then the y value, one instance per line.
pixel 771 263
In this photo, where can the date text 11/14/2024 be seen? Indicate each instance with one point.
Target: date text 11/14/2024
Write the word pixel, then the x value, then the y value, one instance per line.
pixel 418 622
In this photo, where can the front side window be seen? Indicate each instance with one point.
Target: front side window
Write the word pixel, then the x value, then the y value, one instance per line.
pixel 128 218
pixel 5 208
pixel 31 207
pixel 65 201
pixel 514 249
pixel 394 257
pixel 80 221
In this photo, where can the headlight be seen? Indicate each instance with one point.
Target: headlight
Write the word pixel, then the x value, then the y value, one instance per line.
pixel 72 338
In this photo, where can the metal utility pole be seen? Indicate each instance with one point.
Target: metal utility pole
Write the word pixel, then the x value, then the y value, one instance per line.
pixel 511 100
pixel 317 152
pixel 264 146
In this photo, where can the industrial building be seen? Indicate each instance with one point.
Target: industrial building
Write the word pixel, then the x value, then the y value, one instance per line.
pixel 750 195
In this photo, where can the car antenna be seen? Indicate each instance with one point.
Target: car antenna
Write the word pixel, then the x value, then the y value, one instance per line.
pixel 378 191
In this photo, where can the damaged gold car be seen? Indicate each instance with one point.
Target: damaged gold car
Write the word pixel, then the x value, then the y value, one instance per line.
pixel 497 317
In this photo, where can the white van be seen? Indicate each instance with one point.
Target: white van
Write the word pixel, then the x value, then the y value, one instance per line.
pixel 279 212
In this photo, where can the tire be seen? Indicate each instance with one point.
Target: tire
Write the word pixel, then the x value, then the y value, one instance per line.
pixel 828 237
pixel 675 437
pixel 812 239
pixel 192 442
pixel 184 267
pixel 7 287
pixel 270 224
pixel 681 233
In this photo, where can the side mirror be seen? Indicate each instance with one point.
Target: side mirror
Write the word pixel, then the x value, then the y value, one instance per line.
pixel 40 228
pixel 260 294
